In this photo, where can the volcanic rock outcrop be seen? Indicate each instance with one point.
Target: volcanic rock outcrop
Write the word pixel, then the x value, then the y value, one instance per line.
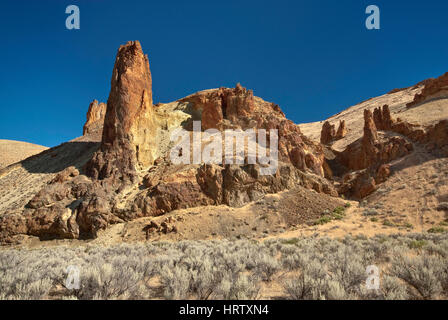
pixel 95 118
pixel 238 108
pixel 366 161
pixel 329 133
pixel 434 89
pixel 131 174
pixel 128 142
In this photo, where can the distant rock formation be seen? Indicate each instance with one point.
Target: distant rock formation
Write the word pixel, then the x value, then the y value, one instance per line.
pixel 329 133
pixel 382 118
pixel 95 118
pixel 342 130
pixel 366 158
pixel 434 89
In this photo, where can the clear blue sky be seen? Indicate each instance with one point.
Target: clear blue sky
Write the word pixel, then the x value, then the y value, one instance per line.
pixel 313 58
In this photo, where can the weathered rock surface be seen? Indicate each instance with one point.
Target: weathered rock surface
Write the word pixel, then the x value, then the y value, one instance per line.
pixel 95 118
pixel 238 108
pixel 128 141
pixel 131 176
pixel 342 130
pixel 434 89
pixel 368 156
pixel 329 133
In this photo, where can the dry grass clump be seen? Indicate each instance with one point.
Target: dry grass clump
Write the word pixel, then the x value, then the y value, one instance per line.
pixel 411 267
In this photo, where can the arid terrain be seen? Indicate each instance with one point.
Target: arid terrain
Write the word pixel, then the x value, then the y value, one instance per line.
pixel 15 151
pixel 369 173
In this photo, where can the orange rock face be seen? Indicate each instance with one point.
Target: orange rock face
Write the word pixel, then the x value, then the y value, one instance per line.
pixel 371 150
pixel 342 130
pixel 237 108
pixel 382 118
pixel 222 104
pixel 329 133
pixel 128 141
pixel 95 118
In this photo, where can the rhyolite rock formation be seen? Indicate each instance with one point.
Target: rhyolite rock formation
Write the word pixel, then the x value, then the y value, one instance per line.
pixel 128 141
pixel 127 173
pixel 329 133
pixel 131 174
pixel 95 118
pixel 434 89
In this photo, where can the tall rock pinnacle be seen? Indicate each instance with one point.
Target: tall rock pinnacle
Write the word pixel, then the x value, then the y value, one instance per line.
pixel 128 141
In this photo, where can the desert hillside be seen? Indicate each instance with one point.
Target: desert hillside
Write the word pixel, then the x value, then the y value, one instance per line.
pixel 116 183
pixel 14 151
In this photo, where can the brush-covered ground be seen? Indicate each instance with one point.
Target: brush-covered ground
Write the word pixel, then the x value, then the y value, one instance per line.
pixel 412 266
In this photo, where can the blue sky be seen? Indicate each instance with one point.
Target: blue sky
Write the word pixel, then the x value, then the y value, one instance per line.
pixel 313 58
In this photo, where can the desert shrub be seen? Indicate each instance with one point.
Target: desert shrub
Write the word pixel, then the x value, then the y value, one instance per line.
pixel 110 281
pixel 436 229
pixel 239 287
pixel 423 273
pixel 417 244
pixel 322 220
pixel 175 282
pixel 392 289
pixel 314 283
pixel 413 266
pixel 266 266
pixel 388 223
pixel 370 212
pixel 348 268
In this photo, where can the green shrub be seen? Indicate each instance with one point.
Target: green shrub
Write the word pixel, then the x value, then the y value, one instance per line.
pixel 323 220
pixel 417 244
pixel 388 223
pixel 436 229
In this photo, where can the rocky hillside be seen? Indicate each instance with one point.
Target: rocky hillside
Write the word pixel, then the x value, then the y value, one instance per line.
pixel 119 173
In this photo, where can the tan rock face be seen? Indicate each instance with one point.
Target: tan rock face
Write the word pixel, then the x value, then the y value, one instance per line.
pixel 434 89
pixel 223 103
pixel 95 118
pixel 342 130
pixel 329 133
pixel 382 118
pixel 128 141
pixel 238 108
pixel 372 150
